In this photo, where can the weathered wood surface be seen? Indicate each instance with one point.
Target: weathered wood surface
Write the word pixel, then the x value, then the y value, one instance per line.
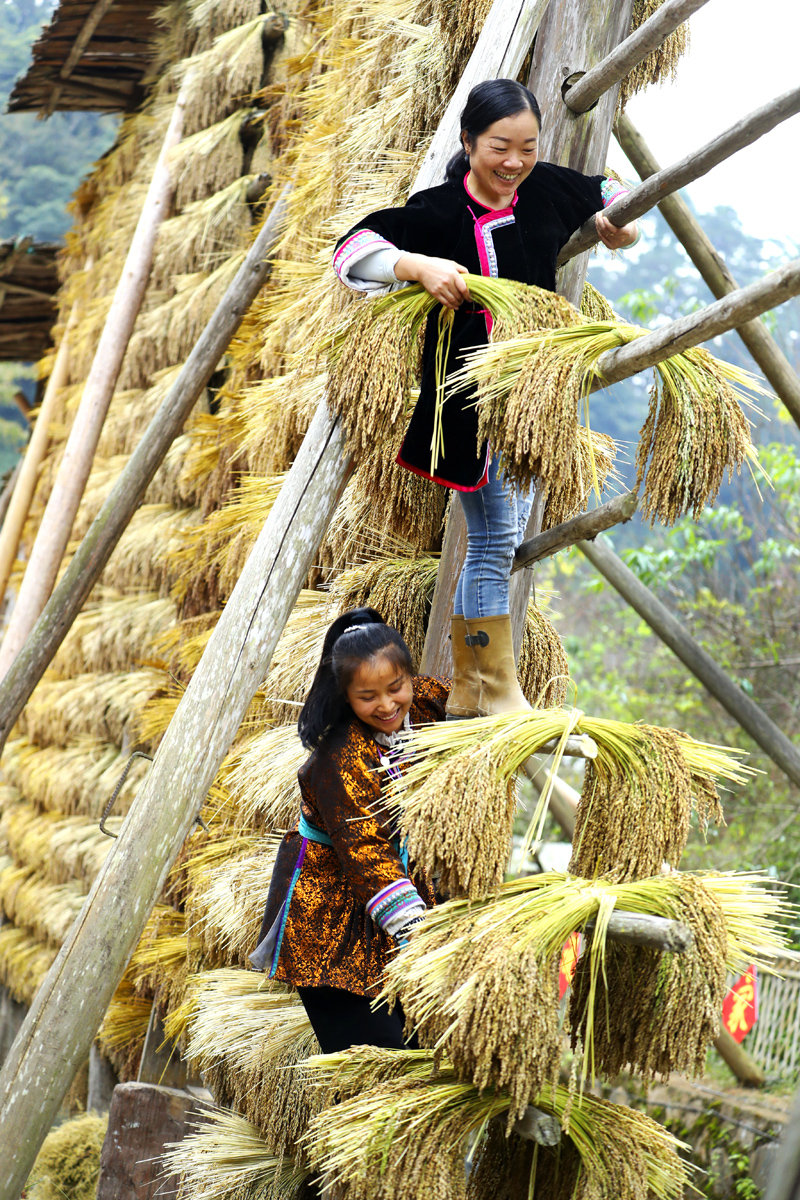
pixel 639 929
pixel 581 95
pixel 653 190
pixel 143 1120
pixel 744 1067
pixel 568 33
pixel 537 1126
pixel 161 1061
pixel 55 1037
pixel 34 455
pixel 578 745
pixel 784 1181
pixel 752 719
pixel 76 463
pixel 765 350
pixel 728 313
pixel 584 527
pixel 122 502
pixel 8 492
pixel 102 1081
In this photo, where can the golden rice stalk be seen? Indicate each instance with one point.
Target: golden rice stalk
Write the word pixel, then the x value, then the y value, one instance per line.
pixel 262 779
pixel 165 956
pixel 211 19
pixel 543 669
pixel 141 560
pixel 533 387
pixel 122 1034
pixel 227 905
pixel 24 962
pixel 409 1133
pixel 400 589
pixel 132 409
pixel 660 64
pixel 228 71
pixel 45 910
pixel 204 232
pixel 456 797
pixel 112 633
pixel 573 497
pixel 595 306
pixel 169 331
pixel 227 1159
pixel 61 710
pixel 296 659
pixel 76 780
pixel 440 974
pixel 209 160
pixel 68 1163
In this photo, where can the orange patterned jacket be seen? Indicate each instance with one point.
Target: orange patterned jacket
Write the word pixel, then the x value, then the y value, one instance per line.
pixel 316 929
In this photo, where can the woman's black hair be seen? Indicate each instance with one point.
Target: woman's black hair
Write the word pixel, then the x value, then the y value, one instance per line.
pixel 353 639
pixel 488 102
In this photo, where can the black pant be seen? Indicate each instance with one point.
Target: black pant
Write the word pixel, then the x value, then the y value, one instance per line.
pixel 342 1019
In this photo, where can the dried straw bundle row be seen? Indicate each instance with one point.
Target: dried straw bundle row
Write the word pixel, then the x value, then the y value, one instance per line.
pixel 374 355
pixel 405 1127
pixel 227 1159
pixel 660 64
pixel 61 710
pixel 209 19
pixel 247 1035
pixel 131 410
pixel 593 466
pixel 225 911
pixel 166 955
pixel 543 668
pixel 210 159
pixel 204 233
pixel 400 589
pixel 635 808
pixel 76 780
pixel 221 76
pixel 122 1034
pixel 113 633
pixel 142 559
pixel 274 414
pixel 532 388
pixel 261 777
pixel 45 910
pixel 24 962
pixel 515 940
pixel 459 780
pixel 61 848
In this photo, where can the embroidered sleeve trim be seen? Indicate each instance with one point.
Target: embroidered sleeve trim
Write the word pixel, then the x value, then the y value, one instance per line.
pixel 392 906
pixel 358 246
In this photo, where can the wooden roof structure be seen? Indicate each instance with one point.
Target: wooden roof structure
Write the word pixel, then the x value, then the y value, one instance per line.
pixel 28 285
pixel 93 56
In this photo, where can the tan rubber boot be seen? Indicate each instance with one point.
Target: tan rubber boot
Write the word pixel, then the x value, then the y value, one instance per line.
pixel 490 638
pixel 465 694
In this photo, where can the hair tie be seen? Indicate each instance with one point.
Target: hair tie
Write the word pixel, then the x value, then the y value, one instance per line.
pixel 350 629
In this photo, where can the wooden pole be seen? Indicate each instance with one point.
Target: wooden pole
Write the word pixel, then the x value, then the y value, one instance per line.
pixel 34 454
pixel 69 1006
pixel 122 502
pixel 653 190
pixel 784 1180
pixel 755 335
pixel 8 491
pixel 752 719
pixel 584 94
pixel 742 1064
pixel 584 527
pixel 569 34
pixel 54 531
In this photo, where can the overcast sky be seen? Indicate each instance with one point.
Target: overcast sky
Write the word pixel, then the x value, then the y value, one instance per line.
pixel 743 53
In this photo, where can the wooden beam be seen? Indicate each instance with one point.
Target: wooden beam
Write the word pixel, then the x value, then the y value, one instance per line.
pixel 693 166
pixel 76 463
pixel 742 1064
pixel 767 354
pixel 122 502
pixel 584 527
pixel 671 631
pixel 640 929
pixel 579 97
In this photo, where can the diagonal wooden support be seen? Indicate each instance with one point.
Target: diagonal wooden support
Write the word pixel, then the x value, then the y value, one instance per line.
pixel 582 95
pixel 671 179
pixel 584 527
pixel 759 341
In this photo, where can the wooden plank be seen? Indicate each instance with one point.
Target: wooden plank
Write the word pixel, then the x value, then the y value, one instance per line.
pixel 693 166
pixel 768 355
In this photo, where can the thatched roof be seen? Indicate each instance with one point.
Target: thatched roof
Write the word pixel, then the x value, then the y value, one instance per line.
pixel 28 284
pixel 92 55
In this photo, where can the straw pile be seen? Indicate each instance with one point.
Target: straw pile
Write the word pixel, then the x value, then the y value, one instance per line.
pixel 68 1163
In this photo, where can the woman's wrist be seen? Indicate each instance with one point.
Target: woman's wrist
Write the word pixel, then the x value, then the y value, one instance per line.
pixel 407 267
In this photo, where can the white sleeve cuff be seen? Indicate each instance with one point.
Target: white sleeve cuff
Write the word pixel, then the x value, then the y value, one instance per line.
pixel 359 249
pixel 398 920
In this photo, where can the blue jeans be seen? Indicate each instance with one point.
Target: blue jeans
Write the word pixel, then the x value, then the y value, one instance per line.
pixel 496 517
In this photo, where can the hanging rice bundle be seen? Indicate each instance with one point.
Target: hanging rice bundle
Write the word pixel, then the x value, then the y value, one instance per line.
pixel 46 910
pixel 121 1036
pixel 24 962
pixel 400 589
pixel 543 669
pixel 595 306
pixel 532 389
pixel 405 1127
pixel 202 234
pixel 515 940
pixel 165 956
pixel 595 454
pixel 210 159
pixel 227 72
pixel 76 780
pixel 261 777
pixel 227 906
pixel 61 710
pixel 456 798
pixel 227 1159
pixel 63 849
pixel 660 64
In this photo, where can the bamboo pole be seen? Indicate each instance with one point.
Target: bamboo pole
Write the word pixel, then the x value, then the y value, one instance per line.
pixel 69 1006
pixel 569 33
pixel 120 505
pixel 653 190
pixel 8 490
pixel 582 95
pixel 76 464
pixel 34 455
pixel 752 719
pixel 755 335
pixel 584 527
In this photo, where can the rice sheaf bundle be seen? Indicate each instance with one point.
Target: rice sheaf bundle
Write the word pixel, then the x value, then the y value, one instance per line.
pixel 456 797
pixel 543 668
pixel 471 977
pixel 405 1126
pixel 533 387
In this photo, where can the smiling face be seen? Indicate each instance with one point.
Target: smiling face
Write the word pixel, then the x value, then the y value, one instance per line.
pixel 380 694
pixel 501 157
